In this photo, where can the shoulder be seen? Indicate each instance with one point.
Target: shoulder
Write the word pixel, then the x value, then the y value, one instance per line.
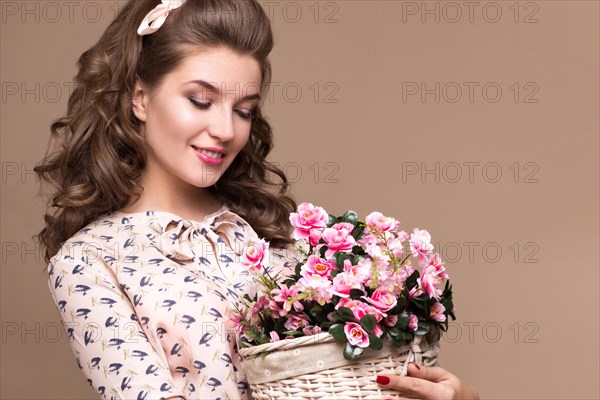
pixel 89 259
pixel 97 236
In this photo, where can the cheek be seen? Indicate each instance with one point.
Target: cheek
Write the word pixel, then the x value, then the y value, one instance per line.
pixel 242 136
pixel 169 127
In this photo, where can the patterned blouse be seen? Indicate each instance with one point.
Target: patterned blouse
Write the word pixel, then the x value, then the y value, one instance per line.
pixel 144 299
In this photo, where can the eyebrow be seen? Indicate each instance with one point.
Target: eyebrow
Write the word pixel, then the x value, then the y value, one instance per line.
pixel 215 89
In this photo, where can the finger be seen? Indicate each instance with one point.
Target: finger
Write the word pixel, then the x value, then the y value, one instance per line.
pixel 434 374
pixel 415 387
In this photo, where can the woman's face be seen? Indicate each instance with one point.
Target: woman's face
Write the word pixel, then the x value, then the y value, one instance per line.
pixel 198 119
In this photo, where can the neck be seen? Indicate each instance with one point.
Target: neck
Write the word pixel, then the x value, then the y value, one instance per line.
pixel 162 193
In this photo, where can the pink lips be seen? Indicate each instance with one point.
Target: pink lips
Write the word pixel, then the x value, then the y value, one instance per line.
pixel 208 159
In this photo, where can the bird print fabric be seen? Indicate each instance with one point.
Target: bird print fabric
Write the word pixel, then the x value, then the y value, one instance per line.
pixel 144 299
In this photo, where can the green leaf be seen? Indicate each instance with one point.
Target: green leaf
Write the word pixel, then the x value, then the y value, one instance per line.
pixel 351 352
pixel 298 268
pixel 411 281
pixel 326 325
pixel 332 220
pixel 335 317
pixel 350 216
pixel 447 303
pixel 399 307
pixel 358 232
pixel 375 343
pixel 337 331
pixel 444 325
pixel 316 312
pixel 346 314
pixel 394 332
pixel 422 328
pixel 339 259
pixel 292 333
pixel 368 322
pixel 322 251
pixel 356 294
pixel 403 321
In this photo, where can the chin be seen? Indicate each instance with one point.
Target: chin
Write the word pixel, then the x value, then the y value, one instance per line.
pixel 206 180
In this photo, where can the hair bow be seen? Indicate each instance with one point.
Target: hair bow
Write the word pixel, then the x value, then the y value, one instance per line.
pixel 155 18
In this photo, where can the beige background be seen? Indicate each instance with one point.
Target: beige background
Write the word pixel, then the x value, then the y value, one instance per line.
pixel 513 207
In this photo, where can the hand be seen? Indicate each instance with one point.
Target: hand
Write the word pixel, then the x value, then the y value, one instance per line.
pixel 429 383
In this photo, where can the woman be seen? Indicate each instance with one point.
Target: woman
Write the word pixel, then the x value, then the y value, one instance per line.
pixel 160 180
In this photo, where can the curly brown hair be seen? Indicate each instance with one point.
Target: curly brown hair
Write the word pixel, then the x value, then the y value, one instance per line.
pixel 97 164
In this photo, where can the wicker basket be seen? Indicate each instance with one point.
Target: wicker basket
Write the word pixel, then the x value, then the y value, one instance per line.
pixel 313 367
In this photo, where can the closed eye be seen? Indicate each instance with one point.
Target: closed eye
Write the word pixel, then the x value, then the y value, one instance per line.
pixel 248 115
pixel 199 104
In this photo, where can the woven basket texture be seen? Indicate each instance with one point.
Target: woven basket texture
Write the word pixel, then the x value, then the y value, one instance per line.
pixel 313 367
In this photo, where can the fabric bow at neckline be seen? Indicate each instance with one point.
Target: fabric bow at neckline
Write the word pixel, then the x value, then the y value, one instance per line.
pixel 177 237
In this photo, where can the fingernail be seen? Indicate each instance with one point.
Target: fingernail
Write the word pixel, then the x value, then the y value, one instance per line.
pixel 382 380
pixel 415 364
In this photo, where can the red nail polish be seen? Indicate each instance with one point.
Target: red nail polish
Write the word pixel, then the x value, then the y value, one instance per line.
pixel 415 364
pixel 382 380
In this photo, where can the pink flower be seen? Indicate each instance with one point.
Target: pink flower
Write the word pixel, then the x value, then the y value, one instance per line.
pixel 254 255
pixel 235 319
pixel 395 246
pixel 258 306
pixel 360 309
pixel 296 321
pixel 377 331
pixel 356 335
pixel 315 236
pixel 402 236
pixel 436 262
pixel 339 238
pixel 406 271
pixel 317 265
pixel 316 287
pixel 390 320
pixel 276 310
pixel 375 250
pixel 382 300
pixel 289 297
pixel 307 219
pixel 376 221
pixel 360 272
pixel 274 336
pixel 420 245
pixel 311 330
pixel 427 283
pixel 437 312
pixel 367 238
pixel 343 283
pixel 412 322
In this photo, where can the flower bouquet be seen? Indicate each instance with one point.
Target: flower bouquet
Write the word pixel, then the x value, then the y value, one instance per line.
pixel 354 307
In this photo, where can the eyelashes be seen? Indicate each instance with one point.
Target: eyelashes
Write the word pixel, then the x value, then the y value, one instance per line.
pixel 199 104
pixel 205 106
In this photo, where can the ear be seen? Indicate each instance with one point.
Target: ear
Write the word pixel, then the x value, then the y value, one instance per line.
pixel 139 101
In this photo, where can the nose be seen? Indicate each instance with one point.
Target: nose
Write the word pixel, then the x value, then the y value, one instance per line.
pixel 221 124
